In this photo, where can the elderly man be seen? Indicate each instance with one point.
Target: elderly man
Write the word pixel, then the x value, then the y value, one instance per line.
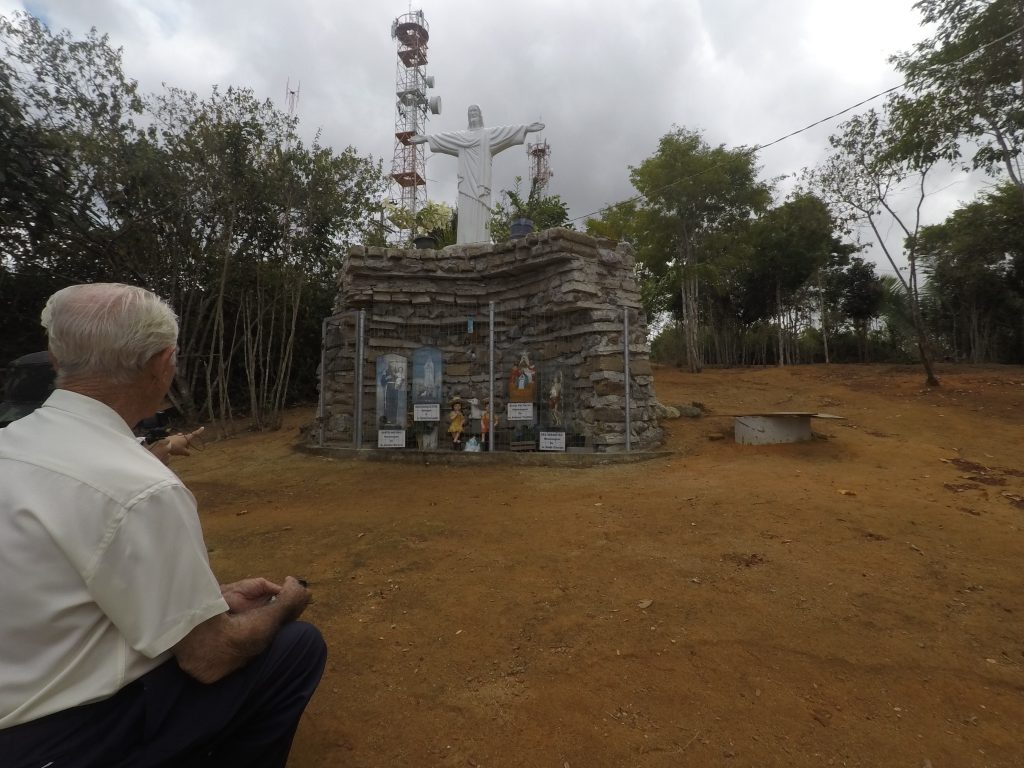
pixel 117 645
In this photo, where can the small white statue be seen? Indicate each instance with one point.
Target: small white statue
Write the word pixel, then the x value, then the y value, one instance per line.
pixel 475 147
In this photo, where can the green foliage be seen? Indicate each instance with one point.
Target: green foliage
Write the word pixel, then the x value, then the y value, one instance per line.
pixel 545 211
pixel 687 226
pixel 872 158
pixel 968 80
pixel 439 221
pixel 788 244
pixel 68 112
pixel 861 292
pixel 217 206
pixel 972 261
pixel 694 193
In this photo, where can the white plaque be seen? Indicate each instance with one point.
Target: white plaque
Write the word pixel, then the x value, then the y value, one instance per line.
pixel 552 441
pixel 391 438
pixel 520 411
pixel 426 412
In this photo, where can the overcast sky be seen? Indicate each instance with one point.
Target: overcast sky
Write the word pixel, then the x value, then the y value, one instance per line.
pixel 607 78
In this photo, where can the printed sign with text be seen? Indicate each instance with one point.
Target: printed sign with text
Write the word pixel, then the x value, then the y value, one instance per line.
pixel 520 411
pixel 552 441
pixel 426 412
pixel 391 438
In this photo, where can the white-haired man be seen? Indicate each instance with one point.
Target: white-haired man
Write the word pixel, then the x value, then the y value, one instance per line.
pixel 117 645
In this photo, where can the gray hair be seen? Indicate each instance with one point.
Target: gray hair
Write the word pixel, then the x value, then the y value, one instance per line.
pixel 107 330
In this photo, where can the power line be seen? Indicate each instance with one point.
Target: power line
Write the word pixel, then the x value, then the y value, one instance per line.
pixel 815 124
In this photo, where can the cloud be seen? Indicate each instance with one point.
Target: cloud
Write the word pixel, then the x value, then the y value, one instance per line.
pixel 608 78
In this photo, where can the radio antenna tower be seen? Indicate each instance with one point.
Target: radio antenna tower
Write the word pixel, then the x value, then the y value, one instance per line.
pixel 412 109
pixel 291 96
pixel 540 165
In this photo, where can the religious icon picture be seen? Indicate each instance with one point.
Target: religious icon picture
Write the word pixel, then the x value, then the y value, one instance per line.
pixel 392 381
pixel 553 388
pixel 522 380
pixel 426 375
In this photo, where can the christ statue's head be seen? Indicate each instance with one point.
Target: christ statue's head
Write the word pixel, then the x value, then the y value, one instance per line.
pixel 476 117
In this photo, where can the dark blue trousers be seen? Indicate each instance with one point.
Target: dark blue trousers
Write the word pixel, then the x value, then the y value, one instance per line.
pixel 165 718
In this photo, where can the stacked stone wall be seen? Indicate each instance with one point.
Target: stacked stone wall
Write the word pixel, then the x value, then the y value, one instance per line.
pixel 559 294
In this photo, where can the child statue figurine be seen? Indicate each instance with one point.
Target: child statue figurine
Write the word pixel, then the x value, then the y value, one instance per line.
pixel 456 423
pixel 485 424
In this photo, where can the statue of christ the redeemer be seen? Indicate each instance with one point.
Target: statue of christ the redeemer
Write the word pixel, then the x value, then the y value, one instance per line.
pixel 475 147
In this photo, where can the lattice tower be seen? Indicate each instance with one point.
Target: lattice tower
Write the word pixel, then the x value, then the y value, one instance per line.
pixel 540 164
pixel 412 109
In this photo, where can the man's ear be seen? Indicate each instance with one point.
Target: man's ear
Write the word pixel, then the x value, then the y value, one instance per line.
pixel 161 361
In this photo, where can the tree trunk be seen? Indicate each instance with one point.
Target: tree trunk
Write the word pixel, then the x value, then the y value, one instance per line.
pixel 922 340
pixel 781 361
pixel 691 317
pixel 824 315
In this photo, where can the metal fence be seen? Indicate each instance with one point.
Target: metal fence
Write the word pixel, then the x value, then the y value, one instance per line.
pixel 475 378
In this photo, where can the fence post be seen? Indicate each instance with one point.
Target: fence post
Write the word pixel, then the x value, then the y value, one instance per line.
pixel 490 392
pixel 360 352
pixel 322 409
pixel 625 345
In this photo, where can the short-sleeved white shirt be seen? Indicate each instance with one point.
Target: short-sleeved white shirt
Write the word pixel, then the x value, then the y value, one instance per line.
pixel 103 567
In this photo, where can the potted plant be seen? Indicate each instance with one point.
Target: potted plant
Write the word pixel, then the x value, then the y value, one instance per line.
pixel 424 240
pixel 516 215
pixel 521 211
pixel 435 226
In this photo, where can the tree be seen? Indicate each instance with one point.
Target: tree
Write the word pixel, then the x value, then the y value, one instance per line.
pixel 789 244
pixel 66 117
pixel 969 77
pixel 861 299
pixel 870 161
pixel 216 205
pixel 694 199
pixel 970 260
pixel 257 221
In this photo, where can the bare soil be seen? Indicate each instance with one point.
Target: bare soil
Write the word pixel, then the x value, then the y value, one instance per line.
pixel 856 600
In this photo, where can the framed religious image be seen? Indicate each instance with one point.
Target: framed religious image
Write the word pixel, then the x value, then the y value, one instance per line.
pixel 392 383
pixel 553 390
pixel 522 380
pixel 426 375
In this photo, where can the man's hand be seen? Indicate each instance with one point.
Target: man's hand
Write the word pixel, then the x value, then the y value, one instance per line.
pixel 181 442
pixel 293 597
pixel 418 139
pixel 534 127
pixel 228 641
pixel 244 595
pixel 175 445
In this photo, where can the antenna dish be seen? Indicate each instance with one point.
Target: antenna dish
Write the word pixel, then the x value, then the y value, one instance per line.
pixel 430 81
pixel 435 105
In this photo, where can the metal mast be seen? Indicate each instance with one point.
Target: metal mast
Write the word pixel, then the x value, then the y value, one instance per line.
pixel 412 108
pixel 540 166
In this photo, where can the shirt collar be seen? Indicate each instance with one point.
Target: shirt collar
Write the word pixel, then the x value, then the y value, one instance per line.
pixel 87 408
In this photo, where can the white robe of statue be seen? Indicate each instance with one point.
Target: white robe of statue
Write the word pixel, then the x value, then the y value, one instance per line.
pixel 475 147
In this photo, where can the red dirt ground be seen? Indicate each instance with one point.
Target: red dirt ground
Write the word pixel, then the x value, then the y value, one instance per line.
pixel 857 600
